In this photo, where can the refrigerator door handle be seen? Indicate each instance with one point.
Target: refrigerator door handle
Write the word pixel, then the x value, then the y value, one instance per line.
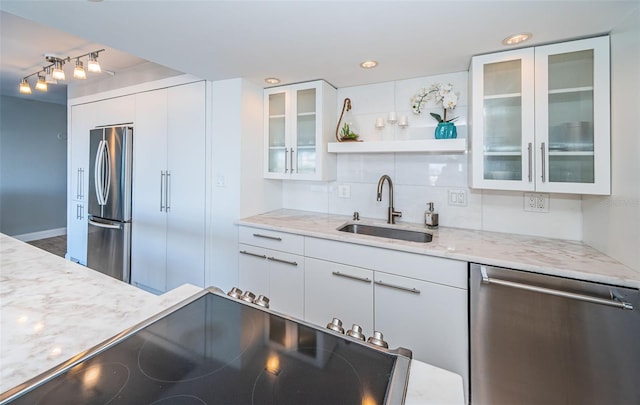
pixel 98 173
pixel 103 225
pixel 106 158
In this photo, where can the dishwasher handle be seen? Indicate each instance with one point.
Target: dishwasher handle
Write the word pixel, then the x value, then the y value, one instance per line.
pixel 549 291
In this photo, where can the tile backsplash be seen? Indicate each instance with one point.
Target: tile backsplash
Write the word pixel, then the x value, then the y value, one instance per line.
pixel 419 178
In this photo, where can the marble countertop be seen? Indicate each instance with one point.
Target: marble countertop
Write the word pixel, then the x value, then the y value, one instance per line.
pixel 52 309
pixel 564 258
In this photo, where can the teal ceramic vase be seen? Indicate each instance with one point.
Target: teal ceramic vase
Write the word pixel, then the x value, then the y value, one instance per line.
pixel 446 130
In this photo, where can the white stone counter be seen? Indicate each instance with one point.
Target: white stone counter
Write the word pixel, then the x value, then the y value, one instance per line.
pixel 52 309
pixel 542 255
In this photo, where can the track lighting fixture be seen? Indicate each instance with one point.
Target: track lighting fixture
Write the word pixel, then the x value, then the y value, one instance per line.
pixel 25 88
pixel 93 64
pixel 53 72
pixel 41 84
pixel 78 71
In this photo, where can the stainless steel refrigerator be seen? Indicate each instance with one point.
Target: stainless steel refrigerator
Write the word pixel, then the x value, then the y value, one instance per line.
pixel 109 230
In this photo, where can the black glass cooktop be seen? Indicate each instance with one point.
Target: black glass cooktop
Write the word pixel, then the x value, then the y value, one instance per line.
pixel 216 350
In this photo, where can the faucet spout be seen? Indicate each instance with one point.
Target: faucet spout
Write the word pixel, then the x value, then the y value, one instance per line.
pixel 391 213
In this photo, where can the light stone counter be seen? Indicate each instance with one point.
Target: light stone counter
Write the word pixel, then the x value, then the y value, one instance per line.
pixel 52 309
pixel 542 255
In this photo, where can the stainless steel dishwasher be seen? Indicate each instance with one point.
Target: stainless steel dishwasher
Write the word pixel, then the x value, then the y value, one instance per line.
pixel 538 339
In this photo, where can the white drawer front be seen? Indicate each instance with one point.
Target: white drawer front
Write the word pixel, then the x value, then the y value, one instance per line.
pixel 428 268
pixel 282 241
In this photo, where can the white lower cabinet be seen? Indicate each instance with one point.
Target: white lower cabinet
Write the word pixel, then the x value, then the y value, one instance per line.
pixel 277 274
pixel 334 290
pixel 430 319
pixel 417 301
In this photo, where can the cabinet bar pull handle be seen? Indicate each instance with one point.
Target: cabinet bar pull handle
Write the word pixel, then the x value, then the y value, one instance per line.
pixel 244 252
pixel 258 235
pixel 275 259
pixel 398 287
pixel 549 291
pixel 530 150
pixel 292 161
pixel 78 185
pixel 286 169
pixel 167 191
pixel 544 174
pixel 364 279
pixel 161 190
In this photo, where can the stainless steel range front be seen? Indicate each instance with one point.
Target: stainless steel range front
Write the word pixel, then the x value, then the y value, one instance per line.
pixel 218 349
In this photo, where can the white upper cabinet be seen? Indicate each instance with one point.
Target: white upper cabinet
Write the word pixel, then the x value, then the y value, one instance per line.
pixel 299 123
pixel 540 119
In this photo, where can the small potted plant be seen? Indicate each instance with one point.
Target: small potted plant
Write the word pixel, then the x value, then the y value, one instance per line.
pixel 442 94
pixel 347 134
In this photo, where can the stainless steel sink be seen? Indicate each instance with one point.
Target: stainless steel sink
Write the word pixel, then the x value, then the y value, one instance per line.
pixel 392 233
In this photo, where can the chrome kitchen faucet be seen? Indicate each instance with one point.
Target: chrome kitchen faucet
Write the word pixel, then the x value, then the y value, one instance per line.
pixel 391 213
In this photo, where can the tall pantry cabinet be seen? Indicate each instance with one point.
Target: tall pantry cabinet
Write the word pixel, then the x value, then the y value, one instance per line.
pixel 168 229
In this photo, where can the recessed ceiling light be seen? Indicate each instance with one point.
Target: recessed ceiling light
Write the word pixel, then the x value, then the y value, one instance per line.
pixel 368 64
pixel 516 38
pixel 272 80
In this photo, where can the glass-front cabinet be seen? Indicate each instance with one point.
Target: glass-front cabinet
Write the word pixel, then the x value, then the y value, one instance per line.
pixel 299 122
pixel 540 118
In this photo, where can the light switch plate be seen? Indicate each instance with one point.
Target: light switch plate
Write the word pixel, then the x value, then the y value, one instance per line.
pixel 457 197
pixel 344 191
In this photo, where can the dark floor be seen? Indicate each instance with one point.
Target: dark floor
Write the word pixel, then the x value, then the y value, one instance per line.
pixel 56 245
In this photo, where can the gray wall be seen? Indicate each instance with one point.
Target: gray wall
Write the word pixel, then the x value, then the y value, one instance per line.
pixel 33 166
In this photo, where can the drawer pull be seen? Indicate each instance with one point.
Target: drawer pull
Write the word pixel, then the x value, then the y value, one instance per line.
pixel 364 279
pixel 275 259
pixel 244 252
pixel 258 235
pixel 398 287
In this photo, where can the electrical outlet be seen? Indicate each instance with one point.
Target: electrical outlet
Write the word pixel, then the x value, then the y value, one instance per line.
pixel 536 202
pixel 344 191
pixel 457 197
pixel 221 182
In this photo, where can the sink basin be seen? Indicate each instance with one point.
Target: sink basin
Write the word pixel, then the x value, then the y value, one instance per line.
pixel 392 233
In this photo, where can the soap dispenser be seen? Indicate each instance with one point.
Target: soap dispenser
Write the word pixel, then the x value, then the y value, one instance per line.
pixel 430 217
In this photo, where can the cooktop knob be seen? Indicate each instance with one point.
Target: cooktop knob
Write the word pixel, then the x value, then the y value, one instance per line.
pixel 248 296
pixel 262 301
pixel 355 332
pixel 336 325
pixel 235 292
pixel 377 340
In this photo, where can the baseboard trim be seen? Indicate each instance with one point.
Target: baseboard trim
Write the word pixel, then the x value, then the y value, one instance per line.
pixel 49 233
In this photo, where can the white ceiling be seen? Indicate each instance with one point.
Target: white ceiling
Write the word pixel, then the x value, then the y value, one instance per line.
pixel 292 40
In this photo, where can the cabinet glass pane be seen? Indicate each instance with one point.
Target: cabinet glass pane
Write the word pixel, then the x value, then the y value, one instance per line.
pixel 306 131
pixel 571 136
pixel 502 118
pixel 571 70
pixel 306 158
pixel 276 131
pixel 277 158
pixel 276 104
pixel 503 167
pixel 502 78
pixel 306 101
pixel 571 168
